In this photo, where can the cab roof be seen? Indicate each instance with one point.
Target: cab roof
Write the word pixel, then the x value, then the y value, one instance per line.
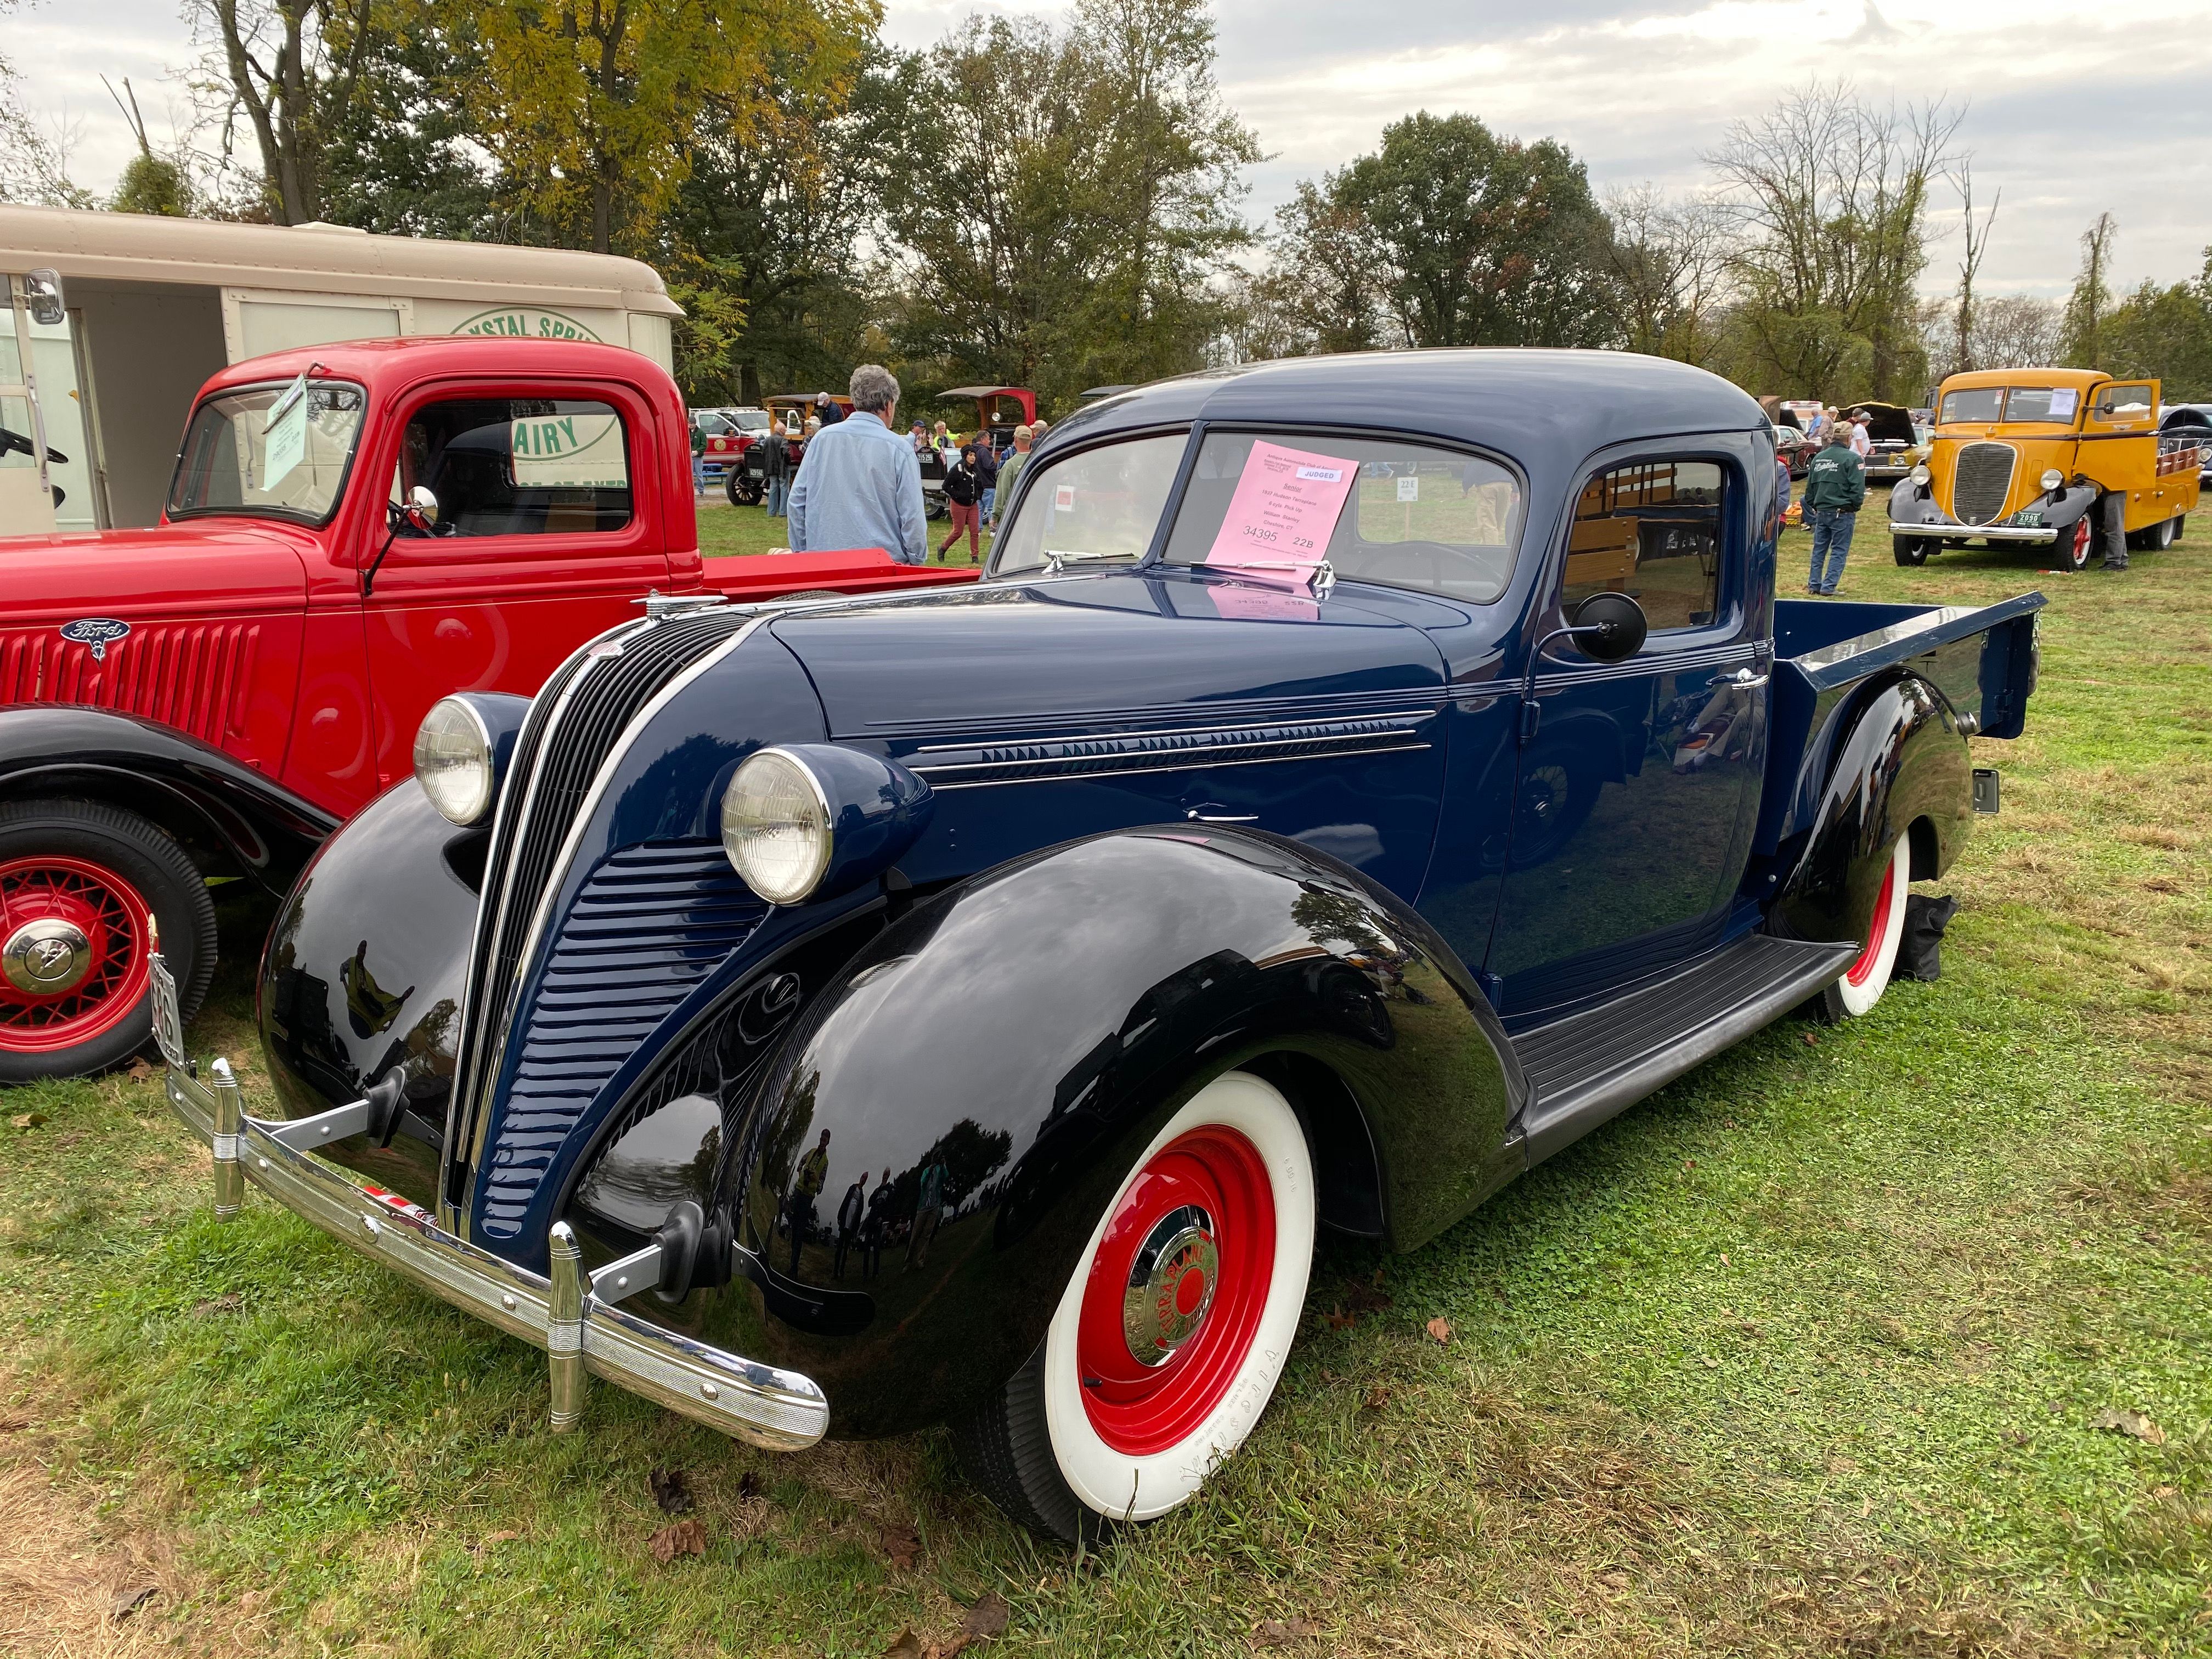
pixel 1515 400
pixel 385 366
pixel 2080 379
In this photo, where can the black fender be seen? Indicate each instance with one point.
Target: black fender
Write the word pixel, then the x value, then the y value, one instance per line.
pixel 1903 767
pixel 227 817
pixel 364 971
pixel 1031 1029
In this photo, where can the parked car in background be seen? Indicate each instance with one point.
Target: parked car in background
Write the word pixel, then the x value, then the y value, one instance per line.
pixel 746 482
pixel 2034 458
pixel 1893 446
pixel 352 531
pixel 1791 441
pixel 2189 424
pixel 729 433
pixel 1358 779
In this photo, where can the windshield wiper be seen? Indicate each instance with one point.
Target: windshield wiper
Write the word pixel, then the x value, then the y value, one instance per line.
pixel 1056 558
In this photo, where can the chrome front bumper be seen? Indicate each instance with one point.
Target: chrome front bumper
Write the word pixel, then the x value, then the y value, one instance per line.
pixel 1972 533
pixel 573 1314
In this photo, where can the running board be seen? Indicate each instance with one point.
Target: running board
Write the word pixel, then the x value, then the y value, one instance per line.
pixel 1590 1067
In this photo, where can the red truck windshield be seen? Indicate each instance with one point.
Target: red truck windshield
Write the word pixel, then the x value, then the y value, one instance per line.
pixel 265 453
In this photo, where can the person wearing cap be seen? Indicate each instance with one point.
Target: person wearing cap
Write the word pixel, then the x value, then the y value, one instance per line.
pixel 858 485
pixel 1860 443
pixel 1011 469
pixel 1835 490
pixel 826 409
pixel 918 436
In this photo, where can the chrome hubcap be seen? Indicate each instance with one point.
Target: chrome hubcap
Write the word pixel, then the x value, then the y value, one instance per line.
pixel 1171 1285
pixel 47 957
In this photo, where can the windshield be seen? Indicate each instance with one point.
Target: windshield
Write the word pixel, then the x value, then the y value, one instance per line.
pixel 2042 403
pixel 1102 504
pixel 749 420
pixel 1981 403
pixel 265 453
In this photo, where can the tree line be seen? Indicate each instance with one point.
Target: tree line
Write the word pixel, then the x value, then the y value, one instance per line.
pixel 1063 206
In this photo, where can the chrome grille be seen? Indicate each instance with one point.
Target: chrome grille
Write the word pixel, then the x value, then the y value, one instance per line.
pixel 651 922
pixel 573 728
pixel 1982 483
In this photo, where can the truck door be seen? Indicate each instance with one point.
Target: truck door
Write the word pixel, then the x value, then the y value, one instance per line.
pixel 1636 788
pixel 548 530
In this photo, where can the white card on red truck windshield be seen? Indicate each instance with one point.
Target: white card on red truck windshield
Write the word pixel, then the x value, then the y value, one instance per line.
pixel 1283 514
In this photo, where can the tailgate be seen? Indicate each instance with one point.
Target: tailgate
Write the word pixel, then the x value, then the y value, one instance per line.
pixel 1983 660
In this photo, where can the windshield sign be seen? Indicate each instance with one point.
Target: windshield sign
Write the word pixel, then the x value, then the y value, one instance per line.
pixel 2042 404
pixel 276 452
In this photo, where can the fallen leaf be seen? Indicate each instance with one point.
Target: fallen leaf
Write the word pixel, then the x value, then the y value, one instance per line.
pixel 1441 1329
pixel 129 1601
pixel 27 1120
pixel 1377 1398
pixel 1812 1039
pixel 253 1601
pixel 2161 886
pixel 987 1618
pixel 900 1543
pixel 905 1645
pixel 2135 1424
pixel 670 1492
pixel 1338 1319
pixel 1274 1632
pixel 678 1538
pixel 1724 1260
pixel 228 1302
pixel 491 1538
pixel 140 1072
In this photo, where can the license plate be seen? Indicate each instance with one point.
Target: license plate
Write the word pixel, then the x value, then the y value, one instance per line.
pixel 2032 520
pixel 168 1028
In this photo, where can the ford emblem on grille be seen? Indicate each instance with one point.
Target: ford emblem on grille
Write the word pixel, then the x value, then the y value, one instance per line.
pixel 98 632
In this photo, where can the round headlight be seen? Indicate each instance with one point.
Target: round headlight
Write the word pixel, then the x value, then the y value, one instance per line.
pixel 1920 473
pixel 453 761
pixel 2053 478
pixel 776 827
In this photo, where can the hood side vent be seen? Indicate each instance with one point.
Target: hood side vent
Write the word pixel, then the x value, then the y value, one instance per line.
pixel 194 677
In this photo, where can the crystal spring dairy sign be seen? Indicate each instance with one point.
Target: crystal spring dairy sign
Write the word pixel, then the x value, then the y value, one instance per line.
pixel 525 322
pixel 575 446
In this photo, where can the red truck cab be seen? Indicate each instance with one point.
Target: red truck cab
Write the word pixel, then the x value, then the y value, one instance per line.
pixel 352 532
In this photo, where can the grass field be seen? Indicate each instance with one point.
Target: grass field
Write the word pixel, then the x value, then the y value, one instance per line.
pixel 1806 1355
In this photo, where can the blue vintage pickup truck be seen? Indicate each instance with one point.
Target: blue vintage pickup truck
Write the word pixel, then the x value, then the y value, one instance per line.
pixel 1354 780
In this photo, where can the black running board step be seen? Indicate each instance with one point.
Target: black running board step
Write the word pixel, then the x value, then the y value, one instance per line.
pixel 1592 1066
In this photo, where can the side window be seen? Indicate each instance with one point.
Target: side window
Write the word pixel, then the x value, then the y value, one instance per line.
pixel 2132 402
pixel 519 467
pixel 1651 531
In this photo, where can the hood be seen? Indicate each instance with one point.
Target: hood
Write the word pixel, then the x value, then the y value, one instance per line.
pixel 203 568
pixel 1887 423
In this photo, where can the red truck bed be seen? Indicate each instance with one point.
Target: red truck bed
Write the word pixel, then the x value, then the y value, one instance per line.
pixel 857 570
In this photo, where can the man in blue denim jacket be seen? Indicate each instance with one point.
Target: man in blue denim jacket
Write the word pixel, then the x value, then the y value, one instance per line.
pixel 1835 490
pixel 857 484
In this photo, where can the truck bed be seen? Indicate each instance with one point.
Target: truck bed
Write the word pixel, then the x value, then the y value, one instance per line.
pixel 1983 660
pixel 756 576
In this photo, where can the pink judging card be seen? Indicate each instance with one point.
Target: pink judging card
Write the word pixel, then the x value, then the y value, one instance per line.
pixel 1283 514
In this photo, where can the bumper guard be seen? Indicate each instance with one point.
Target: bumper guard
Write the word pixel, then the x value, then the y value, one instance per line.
pixel 573 1314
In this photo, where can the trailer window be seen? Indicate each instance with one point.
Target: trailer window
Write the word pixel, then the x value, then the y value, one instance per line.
pixel 519 467
pixel 1651 531
pixel 263 453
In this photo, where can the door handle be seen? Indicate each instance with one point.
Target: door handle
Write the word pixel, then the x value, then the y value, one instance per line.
pixel 1744 680
pixel 1215 815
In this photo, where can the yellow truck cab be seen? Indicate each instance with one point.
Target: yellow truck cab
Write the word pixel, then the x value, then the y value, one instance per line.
pixel 2067 458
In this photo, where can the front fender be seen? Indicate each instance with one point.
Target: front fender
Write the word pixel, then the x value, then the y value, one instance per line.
pixel 231 819
pixel 1904 761
pixel 1029 1030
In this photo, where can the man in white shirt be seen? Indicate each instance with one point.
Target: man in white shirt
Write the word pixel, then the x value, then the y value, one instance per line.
pixel 1860 443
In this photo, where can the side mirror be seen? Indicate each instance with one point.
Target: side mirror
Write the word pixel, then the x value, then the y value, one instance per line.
pixel 42 292
pixel 1610 627
pixel 421 509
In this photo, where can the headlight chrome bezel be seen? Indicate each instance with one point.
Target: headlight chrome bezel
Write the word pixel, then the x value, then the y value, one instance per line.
pixel 482 764
pixel 2053 481
pixel 1920 474
pixel 806 879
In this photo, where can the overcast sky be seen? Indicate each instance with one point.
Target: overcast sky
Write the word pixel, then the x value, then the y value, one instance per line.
pixel 2077 107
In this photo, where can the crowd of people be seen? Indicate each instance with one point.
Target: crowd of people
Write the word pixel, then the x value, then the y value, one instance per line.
pixel 857 482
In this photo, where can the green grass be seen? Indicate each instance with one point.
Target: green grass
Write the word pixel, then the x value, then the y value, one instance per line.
pixel 1800 1356
pixel 725 530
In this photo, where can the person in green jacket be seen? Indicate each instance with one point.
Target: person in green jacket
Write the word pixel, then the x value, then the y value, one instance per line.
pixel 1835 490
pixel 1009 470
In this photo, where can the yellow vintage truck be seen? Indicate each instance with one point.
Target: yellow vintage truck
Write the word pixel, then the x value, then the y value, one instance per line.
pixel 2066 458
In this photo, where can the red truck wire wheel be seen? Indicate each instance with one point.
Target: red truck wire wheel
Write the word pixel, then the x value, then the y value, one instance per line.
pixel 86 889
pixel 1170 1335
pixel 2081 543
pixel 75 936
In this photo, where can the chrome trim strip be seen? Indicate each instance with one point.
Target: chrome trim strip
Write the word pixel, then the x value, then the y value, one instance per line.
pixel 1169 732
pixel 1952 530
pixel 759 1404
pixel 1193 766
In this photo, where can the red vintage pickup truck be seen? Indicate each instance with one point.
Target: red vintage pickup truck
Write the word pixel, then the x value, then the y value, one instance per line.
pixel 352 532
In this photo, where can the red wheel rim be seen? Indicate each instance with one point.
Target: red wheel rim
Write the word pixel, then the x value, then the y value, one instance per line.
pixel 1863 970
pixel 1195 1232
pixel 117 927
pixel 2080 553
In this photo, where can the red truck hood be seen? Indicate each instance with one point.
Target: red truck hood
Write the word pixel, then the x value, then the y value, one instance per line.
pixel 216 568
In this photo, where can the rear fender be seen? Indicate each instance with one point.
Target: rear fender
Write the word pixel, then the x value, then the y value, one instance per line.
pixel 1903 761
pixel 1029 1030
pixel 231 820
